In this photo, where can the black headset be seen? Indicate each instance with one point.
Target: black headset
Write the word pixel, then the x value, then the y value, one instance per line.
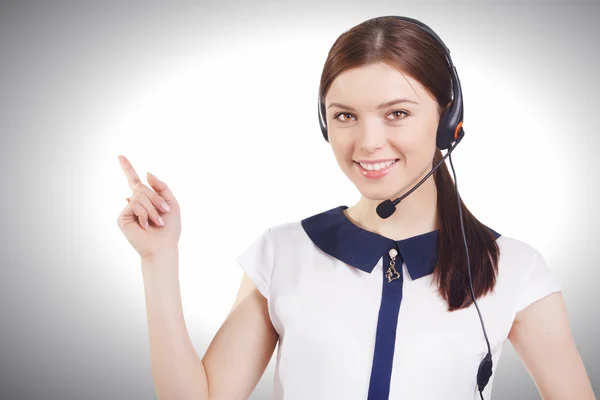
pixel 449 131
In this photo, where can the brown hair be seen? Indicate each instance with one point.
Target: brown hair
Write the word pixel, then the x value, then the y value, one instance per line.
pixel 412 51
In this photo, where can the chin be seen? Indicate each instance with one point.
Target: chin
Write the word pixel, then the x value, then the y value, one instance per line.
pixel 378 194
pixel 377 189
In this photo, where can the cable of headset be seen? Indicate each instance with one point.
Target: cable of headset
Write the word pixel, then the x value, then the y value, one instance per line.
pixel 387 208
pixel 485 367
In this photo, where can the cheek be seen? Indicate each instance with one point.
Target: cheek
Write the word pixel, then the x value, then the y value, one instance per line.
pixel 416 145
pixel 415 156
pixel 343 152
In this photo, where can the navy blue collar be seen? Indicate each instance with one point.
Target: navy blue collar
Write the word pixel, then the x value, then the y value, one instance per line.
pixel 339 237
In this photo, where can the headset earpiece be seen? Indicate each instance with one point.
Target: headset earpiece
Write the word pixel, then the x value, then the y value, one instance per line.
pixel 322 121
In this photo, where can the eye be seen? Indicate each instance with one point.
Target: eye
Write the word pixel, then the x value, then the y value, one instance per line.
pixel 406 114
pixel 403 112
pixel 341 113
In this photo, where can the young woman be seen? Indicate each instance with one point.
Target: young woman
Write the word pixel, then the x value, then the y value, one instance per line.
pixel 365 307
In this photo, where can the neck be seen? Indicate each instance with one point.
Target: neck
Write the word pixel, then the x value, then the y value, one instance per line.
pixel 415 214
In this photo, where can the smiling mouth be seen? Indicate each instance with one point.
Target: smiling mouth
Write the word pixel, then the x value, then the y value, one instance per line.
pixel 376 166
pixel 376 173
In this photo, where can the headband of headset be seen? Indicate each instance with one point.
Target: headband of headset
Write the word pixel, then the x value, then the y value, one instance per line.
pixel 450 125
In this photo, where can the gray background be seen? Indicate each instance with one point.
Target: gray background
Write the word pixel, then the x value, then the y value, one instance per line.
pixel 69 329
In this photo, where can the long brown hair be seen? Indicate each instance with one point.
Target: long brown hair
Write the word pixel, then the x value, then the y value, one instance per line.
pixel 414 52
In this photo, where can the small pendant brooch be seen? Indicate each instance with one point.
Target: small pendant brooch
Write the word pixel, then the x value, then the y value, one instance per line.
pixel 391 273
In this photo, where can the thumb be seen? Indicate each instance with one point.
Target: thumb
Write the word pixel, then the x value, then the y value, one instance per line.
pixel 161 188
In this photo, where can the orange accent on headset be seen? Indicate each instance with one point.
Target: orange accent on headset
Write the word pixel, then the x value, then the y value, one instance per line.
pixel 457 129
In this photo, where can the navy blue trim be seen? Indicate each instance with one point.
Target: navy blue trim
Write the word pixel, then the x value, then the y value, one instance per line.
pixel 339 237
pixel 335 234
pixel 385 338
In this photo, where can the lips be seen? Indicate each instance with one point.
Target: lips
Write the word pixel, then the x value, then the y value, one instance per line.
pixel 373 174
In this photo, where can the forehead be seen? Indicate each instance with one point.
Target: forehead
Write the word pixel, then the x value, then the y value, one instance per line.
pixel 372 84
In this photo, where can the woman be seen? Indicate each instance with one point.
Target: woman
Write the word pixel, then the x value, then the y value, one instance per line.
pixel 364 307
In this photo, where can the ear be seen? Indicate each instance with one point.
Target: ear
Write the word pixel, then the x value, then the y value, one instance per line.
pixel 442 109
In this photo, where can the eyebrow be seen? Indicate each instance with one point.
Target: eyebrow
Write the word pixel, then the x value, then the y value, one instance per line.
pixel 382 105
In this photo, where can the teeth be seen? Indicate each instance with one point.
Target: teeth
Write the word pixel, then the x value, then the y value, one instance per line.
pixel 378 166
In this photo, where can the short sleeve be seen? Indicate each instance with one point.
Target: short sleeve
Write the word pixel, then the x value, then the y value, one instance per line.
pixel 257 261
pixel 539 281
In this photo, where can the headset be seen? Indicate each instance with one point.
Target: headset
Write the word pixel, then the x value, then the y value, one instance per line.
pixel 449 131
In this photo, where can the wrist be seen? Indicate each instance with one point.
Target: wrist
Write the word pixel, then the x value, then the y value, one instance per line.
pixel 167 255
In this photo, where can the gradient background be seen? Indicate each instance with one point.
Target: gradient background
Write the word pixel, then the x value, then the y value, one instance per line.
pixel 219 100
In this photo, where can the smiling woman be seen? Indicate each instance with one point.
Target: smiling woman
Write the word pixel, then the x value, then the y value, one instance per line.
pixel 384 149
pixel 365 306
pixel 372 136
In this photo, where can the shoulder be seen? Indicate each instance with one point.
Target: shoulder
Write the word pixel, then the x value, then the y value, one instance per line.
pixel 514 250
pixel 524 272
pixel 515 262
pixel 288 236
pixel 288 229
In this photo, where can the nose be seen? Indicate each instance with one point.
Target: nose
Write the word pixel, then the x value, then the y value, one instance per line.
pixel 371 137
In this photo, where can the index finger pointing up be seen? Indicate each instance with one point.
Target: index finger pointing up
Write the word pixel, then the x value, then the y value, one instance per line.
pixel 132 177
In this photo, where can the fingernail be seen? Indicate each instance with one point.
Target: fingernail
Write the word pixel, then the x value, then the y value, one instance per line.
pixel 161 222
pixel 166 207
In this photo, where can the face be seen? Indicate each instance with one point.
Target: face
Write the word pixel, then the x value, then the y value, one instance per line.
pixel 359 130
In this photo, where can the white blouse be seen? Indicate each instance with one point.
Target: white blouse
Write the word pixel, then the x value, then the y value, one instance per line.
pixel 346 331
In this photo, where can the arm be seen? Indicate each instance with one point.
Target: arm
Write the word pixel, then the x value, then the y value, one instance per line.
pixel 541 336
pixel 242 348
pixel 235 359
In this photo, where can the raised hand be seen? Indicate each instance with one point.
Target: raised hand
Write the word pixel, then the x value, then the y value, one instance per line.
pixel 147 224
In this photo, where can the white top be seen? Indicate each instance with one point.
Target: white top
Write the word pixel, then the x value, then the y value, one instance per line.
pixel 347 332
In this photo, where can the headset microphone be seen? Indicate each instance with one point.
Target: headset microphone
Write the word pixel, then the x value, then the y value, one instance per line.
pixel 387 208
